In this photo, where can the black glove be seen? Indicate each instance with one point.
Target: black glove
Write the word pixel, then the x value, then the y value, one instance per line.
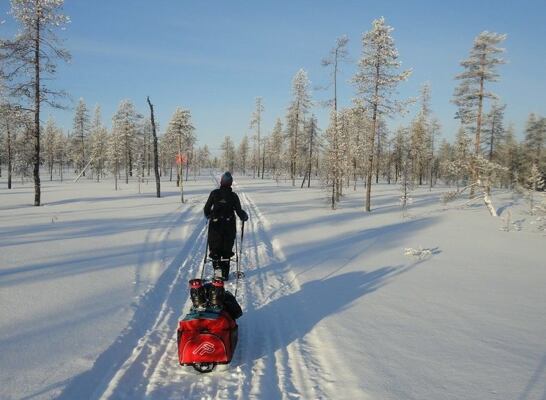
pixel 245 217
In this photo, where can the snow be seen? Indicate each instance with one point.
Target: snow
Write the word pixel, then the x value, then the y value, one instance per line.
pixel 92 285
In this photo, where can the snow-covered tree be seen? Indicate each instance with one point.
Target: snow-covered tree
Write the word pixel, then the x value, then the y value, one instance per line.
pixel 406 170
pixel 80 133
pixel 376 81
pixel 125 126
pixel 480 69
pixel 116 153
pixel 62 147
pixel 276 148
pixel 535 137
pixel 510 156
pixel 180 134
pixel 11 120
pixel 535 182
pixel 297 111
pixel 29 61
pixel 256 122
pixel 50 142
pixel 311 137
pixel 99 143
pixel 242 154
pixel 204 157
pixel 494 129
pixel 228 154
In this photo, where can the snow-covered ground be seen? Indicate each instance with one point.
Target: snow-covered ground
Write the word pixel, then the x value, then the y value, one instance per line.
pixel 92 285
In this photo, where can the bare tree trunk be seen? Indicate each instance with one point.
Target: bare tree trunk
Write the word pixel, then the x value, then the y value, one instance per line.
pixel 156 156
pixel 37 188
pixel 372 139
pixel 263 161
pixel 10 155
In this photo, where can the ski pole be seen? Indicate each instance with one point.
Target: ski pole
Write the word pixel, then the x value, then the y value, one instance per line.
pixel 240 256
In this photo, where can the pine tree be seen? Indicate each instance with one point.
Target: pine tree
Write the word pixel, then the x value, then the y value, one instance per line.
pixel 116 153
pixel 509 155
pixel 228 154
pixel 256 122
pixel 407 169
pixel 535 182
pixel 480 68
pixel 312 145
pixel 50 145
pixel 276 149
pixel 99 143
pixel 535 137
pixel 242 154
pixel 180 133
pixel 301 101
pixel 29 61
pixel 494 129
pixel 62 151
pixel 11 119
pixel 125 125
pixel 376 81
pixel 80 131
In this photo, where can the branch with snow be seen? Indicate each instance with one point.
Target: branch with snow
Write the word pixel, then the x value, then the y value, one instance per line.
pixel 419 253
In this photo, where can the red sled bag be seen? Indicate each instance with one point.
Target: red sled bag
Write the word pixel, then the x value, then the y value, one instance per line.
pixel 206 338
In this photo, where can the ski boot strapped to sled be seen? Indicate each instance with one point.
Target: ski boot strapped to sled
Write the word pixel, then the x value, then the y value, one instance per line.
pixel 217 294
pixel 198 295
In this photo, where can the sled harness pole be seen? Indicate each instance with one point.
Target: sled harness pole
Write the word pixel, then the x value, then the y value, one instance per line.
pixel 206 251
pixel 239 257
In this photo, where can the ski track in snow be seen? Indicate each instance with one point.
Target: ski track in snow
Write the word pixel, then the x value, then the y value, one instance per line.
pixel 272 359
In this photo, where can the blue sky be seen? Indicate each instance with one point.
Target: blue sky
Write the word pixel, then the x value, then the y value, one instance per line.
pixel 215 57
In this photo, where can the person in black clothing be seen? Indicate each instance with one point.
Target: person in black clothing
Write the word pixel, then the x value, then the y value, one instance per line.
pixel 220 210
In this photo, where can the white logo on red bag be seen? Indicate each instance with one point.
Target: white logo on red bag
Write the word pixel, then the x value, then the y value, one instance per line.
pixel 204 348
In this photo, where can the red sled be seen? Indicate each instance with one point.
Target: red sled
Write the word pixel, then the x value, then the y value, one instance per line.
pixel 206 338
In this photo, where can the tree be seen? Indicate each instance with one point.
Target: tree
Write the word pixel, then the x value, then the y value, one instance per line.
pixel 256 122
pixel 494 128
pixel 50 143
pixel 301 101
pixel 242 154
pixel 80 132
pixel 228 153
pixel 337 55
pixel 480 68
pixel 376 81
pixel 535 136
pixel 276 147
pixel 180 132
pixel 406 171
pixel 99 143
pixel 115 153
pixel 125 124
pixel 312 145
pixel 29 60
pixel 156 154
pixel 534 182
pixel 204 157
pixel 333 156
pixel 11 120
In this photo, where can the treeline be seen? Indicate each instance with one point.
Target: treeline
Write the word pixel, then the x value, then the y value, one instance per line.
pixel 356 145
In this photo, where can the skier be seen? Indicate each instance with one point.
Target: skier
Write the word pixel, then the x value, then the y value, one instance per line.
pixel 219 210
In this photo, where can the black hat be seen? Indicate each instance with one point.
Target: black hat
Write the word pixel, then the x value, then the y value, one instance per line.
pixel 226 180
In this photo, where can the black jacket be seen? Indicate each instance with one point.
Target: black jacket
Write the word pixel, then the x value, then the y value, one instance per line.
pixel 222 206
